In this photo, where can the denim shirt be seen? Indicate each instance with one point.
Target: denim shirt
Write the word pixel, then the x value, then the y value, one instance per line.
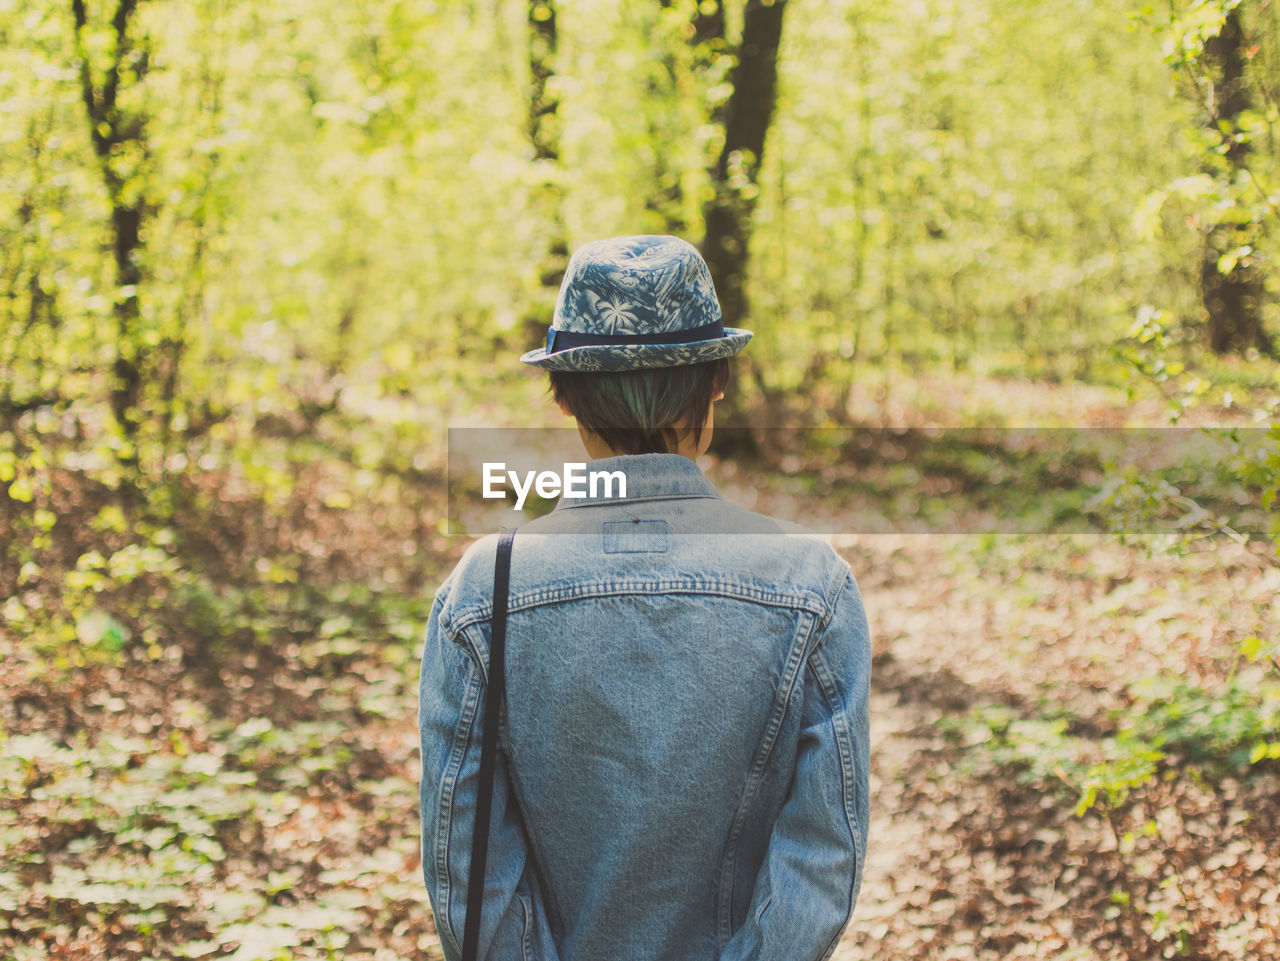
pixel 684 770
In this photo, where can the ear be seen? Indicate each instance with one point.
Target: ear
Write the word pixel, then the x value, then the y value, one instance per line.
pixel 564 408
pixel 718 396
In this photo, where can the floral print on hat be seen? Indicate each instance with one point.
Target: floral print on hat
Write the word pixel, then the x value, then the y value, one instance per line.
pixel 640 285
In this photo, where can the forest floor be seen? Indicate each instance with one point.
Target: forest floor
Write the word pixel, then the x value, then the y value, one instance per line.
pixel 167 802
pixel 976 848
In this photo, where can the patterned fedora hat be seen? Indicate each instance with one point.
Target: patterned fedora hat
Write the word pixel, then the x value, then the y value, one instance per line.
pixel 629 303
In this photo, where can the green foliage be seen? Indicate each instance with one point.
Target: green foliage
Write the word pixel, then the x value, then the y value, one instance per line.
pixel 1244 463
pixel 1224 206
pixel 951 178
pixel 1168 722
pixel 1036 751
pixel 1257 463
pixel 149 836
pixel 1170 729
pixel 338 201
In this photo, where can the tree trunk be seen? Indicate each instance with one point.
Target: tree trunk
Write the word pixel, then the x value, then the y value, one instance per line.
pixel 735 176
pixel 126 222
pixel 1233 300
pixel 544 136
pixel 118 138
pixel 735 182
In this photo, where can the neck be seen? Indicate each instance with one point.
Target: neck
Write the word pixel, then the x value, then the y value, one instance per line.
pixel 686 447
pixel 597 448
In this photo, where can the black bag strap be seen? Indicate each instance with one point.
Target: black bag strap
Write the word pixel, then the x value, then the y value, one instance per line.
pixel 489 745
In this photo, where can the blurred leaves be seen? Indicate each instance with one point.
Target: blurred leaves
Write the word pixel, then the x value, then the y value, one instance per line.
pixel 210 619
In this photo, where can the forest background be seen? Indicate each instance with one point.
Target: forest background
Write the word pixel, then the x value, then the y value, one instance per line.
pixel 256 258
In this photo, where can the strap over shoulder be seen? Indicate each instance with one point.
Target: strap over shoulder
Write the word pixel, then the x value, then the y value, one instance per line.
pixel 489 745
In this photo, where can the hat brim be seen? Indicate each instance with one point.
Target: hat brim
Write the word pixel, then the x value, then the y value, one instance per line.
pixel 602 358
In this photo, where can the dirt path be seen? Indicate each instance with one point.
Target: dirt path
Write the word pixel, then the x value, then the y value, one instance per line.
pixel 897 892
pixel 923 893
pixel 898 834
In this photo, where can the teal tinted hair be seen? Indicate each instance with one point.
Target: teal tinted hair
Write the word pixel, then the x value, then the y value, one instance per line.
pixel 638 411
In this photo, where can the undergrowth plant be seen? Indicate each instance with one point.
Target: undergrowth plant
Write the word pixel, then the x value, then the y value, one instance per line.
pixel 1172 729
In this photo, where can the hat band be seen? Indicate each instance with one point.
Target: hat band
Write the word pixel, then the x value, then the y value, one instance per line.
pixel 564 339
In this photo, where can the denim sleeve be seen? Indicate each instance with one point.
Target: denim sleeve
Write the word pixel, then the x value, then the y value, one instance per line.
pixel 807 887
pixel 514 922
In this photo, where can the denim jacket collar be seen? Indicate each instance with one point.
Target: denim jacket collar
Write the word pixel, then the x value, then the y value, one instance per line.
pixel 649 477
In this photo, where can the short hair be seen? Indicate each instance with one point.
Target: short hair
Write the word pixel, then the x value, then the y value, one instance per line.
pixel 638 411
